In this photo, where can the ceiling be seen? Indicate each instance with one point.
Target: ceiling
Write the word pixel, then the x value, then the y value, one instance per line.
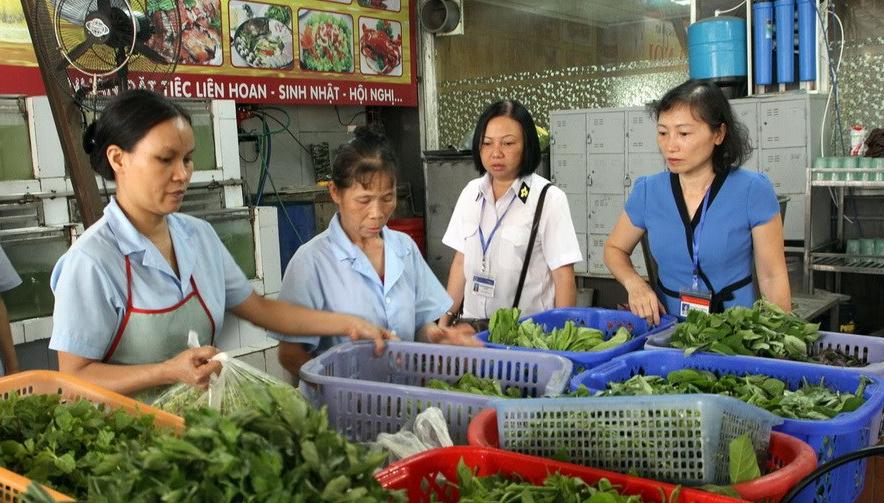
pixel 598 12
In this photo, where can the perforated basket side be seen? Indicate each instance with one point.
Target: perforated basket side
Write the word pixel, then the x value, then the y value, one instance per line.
pixel 367 395
pixel 679 439
pixel 830 438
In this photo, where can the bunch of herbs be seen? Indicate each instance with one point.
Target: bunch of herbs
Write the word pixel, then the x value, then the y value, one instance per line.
pixel 504 328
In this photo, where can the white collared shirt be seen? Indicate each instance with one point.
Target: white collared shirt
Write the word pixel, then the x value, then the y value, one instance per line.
pixel 555 246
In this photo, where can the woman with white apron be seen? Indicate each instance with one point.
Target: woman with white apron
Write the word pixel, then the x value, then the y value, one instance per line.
pixel 132 287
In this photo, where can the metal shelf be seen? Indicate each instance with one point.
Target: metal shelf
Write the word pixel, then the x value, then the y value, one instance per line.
pixel 839 262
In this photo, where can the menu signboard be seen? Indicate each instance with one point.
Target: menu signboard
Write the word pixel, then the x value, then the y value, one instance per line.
pixel 348 52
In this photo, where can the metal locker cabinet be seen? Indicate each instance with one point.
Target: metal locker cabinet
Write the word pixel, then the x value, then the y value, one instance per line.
pixel 606 173
pixel 579 213
pixel 746 112
pixel 783 123
pixel 605 132
pixel 569 173
pixel 643 164
pixel 786 168
pixel 641 131
pixel 582 267
pixel 793 225
pixel 596 255
pixel 604 210
pixel 567 133
pixel 753 163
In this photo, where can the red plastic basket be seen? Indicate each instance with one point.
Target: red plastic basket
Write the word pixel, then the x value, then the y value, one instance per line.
pixel 789 459
pixel 419 475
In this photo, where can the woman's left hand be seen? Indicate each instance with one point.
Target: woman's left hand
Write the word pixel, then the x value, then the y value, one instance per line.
pixel 458 335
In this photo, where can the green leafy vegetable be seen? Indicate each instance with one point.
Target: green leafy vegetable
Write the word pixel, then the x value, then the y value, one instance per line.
pixel 556 488
pixel 504 328
pixel 280 13
pixel 469 383
pixel 61 444
pixel 159 5
pixel 764 330
pixel 809 401
pixel 280 450
pixel 742 462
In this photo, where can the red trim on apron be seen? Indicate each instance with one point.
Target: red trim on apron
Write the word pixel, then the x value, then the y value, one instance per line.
pixel 130 308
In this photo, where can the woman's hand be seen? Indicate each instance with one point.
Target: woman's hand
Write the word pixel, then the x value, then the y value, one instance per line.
pixel 643 301
pixel 459 335
pixel 193 366
pixel 363 330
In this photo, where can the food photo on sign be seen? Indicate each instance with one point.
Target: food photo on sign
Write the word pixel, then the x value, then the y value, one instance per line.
pixel 261 35
pixel 380 46
pixel 393 5
pixel 200 30
pixel 326 40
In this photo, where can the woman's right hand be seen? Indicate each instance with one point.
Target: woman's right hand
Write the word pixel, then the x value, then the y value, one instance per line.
pixel 363 330
pixel 193 366
pixel 643 301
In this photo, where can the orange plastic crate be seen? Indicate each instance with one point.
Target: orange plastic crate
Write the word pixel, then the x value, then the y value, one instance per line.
pixel 45 382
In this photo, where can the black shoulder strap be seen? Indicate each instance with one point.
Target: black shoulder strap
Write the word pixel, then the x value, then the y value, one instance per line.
pixel 534 226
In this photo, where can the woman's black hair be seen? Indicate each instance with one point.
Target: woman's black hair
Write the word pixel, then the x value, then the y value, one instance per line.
pixel 708 103
pixel 127 119
pixel 365 155
pixel 516 111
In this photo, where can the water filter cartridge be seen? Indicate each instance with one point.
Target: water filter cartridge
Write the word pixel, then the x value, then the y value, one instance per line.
pixel 762 37
pixel 785 15
pixel 806 40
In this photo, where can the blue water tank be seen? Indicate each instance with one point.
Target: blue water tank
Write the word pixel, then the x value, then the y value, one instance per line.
pixel 717 48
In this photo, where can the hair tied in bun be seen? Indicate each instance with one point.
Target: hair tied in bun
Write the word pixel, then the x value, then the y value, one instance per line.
pixel 89 138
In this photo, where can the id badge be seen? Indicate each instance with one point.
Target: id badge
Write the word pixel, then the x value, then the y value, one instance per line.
pixel 695 300
pixel 483 285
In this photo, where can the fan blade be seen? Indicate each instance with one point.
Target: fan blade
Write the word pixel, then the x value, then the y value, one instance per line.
pixel 76 52
pixel 151 54
pixel 104 5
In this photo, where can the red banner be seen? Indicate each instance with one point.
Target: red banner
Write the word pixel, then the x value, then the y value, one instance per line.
pixel 373 64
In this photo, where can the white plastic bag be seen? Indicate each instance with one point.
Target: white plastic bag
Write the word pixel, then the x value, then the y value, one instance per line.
pixel 428 431
pixel 227 393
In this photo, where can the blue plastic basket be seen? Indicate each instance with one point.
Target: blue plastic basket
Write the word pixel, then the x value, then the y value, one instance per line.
pixel 866 348
pixel 367 395
pixel 830 438
pixel 683 439
pixel 606 320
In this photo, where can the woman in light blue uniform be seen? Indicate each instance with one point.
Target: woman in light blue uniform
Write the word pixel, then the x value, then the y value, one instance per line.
pixel 133 286
pixel 361 267
pixel 708 221
pixel 9 279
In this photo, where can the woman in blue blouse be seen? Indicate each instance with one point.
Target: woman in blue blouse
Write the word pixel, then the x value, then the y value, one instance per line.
pixel 359 266
pixel 708 220
pixel 133 286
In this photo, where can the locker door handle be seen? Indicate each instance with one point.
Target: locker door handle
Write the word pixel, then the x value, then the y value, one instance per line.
pixel 589 139
pixel 627 181
pixel 589 180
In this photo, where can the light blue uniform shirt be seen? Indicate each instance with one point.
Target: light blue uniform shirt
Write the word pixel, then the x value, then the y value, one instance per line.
pixel 89 280
pixel 9 279
pixel 738 203
pixel 331 273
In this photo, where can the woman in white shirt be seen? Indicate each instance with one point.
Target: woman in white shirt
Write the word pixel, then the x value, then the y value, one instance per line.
pixel 490 228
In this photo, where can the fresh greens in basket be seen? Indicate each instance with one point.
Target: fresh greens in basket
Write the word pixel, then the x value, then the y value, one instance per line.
pixel 810 401
pixel 504 328
pixel 764 330
pixel 469 383
pixel 557 488
pixel 278 450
